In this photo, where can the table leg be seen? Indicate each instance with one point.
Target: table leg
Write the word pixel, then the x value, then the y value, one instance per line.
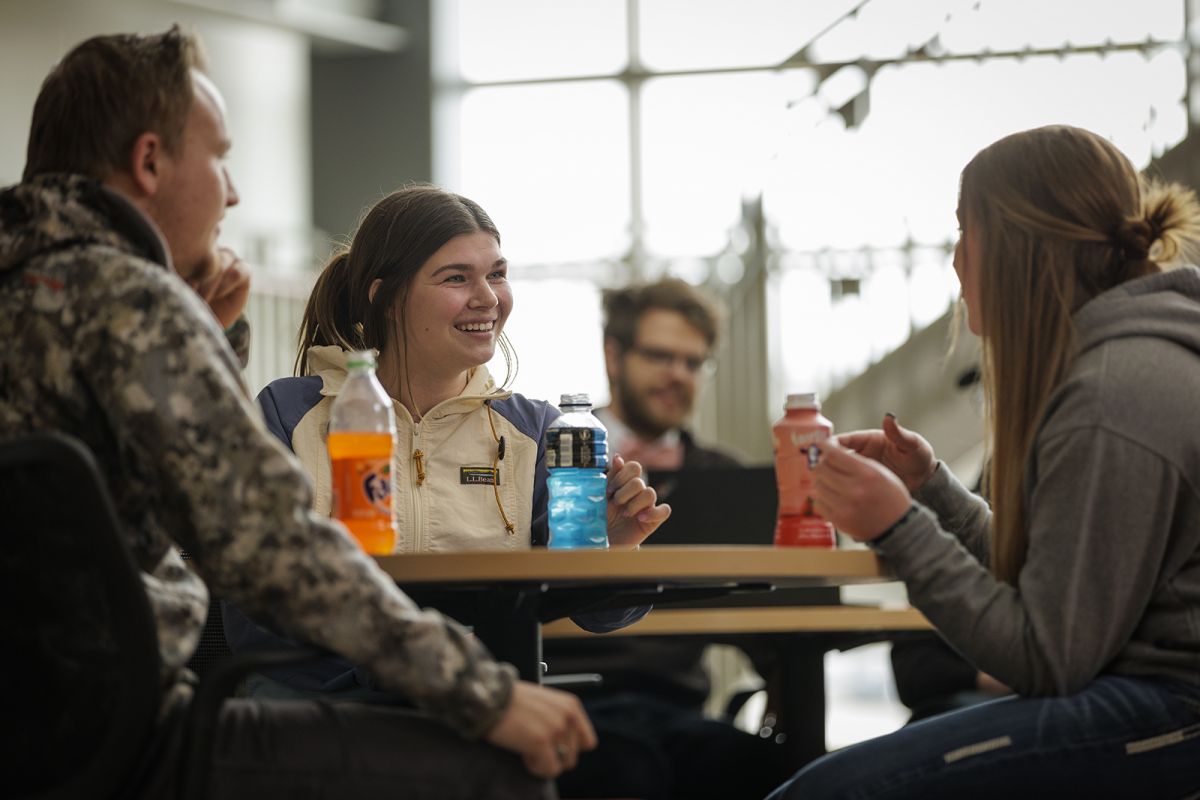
pixel 508 626
pixel 800 705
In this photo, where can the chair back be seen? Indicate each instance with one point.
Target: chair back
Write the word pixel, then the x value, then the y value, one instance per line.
pixel 81 671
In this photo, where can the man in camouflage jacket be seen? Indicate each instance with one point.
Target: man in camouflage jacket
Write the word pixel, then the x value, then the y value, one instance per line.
pixel 102 275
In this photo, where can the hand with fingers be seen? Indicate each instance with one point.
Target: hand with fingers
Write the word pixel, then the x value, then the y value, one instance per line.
pixel 547 727
pixel 632 510
pixel 906 453
pixel 860 496
pixel 228 289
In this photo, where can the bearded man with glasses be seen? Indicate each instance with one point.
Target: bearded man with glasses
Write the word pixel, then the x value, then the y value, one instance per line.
pixel 658 344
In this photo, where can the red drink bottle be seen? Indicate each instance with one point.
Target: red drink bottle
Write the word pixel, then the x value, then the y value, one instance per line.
pixel 796 437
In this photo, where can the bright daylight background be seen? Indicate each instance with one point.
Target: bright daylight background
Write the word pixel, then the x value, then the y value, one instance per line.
pixel 797 157
pixel 800 158
pixel 613 139
pixel 598 141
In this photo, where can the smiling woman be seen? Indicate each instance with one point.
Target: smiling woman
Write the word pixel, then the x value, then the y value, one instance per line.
pixel 423 262
pixel 425 284
pixel 457 305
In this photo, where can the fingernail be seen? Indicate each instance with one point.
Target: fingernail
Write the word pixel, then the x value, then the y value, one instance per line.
pixel 890 414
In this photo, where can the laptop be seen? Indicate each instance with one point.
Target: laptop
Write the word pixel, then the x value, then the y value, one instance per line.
pixel 719 505
pixel 727 506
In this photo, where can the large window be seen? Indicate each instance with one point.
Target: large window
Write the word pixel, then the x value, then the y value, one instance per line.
pixel 551 163
pixel 613 139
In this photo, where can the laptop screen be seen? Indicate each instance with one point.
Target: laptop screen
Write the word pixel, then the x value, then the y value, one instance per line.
pixel 718 505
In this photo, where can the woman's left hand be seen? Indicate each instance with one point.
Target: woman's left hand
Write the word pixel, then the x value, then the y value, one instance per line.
pixel 632 512
pixel 861 497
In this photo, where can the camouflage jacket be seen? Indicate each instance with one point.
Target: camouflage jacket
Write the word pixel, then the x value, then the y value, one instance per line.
pixel 106 343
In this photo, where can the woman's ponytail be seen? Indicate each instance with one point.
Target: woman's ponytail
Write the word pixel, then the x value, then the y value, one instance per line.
pixel 1171 218
pixel 327 315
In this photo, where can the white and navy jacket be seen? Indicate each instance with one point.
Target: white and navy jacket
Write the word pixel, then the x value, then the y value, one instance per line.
pixel 453 508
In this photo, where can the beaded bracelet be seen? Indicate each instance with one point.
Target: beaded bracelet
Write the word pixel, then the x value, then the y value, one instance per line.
pixel 905 517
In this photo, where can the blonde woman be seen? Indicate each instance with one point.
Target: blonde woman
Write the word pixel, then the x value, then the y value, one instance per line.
pixel 1079 587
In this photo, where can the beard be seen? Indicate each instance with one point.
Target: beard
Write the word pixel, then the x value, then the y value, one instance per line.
pixel 640 413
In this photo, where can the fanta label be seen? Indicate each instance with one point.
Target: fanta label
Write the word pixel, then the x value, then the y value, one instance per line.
pixel 362 488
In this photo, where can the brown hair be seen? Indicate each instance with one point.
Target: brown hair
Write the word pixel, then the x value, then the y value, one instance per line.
pixel 1061 216
pixel 106 93
pixel 395 239
pixel 623 308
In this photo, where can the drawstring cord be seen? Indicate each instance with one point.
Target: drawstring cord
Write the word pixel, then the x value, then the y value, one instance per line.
pixel 508 526
pixel 419 458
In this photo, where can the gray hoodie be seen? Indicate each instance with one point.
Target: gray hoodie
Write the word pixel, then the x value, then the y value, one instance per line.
pixel 1111 583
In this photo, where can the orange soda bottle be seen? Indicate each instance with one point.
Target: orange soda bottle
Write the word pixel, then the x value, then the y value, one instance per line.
pixel 795 438
pixel 361 430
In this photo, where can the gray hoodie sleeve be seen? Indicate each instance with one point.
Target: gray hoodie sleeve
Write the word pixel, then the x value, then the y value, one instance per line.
pixel 959 511
pixel 1094 553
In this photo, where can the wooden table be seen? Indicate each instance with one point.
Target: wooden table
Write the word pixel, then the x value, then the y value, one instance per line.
pixel 506 596
pixel 794 566
pixel 528 587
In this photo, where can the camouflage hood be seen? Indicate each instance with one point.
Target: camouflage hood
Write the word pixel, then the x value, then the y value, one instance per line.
pixel 51 213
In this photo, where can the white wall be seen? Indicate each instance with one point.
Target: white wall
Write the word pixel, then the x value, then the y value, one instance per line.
pixel 262 71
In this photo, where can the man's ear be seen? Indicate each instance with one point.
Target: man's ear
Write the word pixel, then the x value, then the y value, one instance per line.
pixel 146 163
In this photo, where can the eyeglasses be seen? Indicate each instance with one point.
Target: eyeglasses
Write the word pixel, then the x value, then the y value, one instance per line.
pixel 665 359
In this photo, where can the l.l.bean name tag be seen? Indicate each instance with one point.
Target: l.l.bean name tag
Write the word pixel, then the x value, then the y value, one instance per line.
pixel 484 476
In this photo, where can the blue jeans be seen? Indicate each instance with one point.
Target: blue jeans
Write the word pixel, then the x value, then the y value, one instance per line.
pixel 1119 737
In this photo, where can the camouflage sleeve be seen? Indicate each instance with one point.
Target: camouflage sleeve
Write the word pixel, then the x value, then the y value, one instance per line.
pixel 237 500
pixel 238 336
pixel 179 601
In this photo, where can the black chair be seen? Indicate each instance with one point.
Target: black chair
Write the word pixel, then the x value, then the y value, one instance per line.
pixel 82 691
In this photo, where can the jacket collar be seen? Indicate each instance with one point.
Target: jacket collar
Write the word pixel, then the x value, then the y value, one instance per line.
pixel 329 363
pixel 54 211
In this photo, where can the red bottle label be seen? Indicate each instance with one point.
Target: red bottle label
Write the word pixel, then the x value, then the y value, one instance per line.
pixel 796 439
